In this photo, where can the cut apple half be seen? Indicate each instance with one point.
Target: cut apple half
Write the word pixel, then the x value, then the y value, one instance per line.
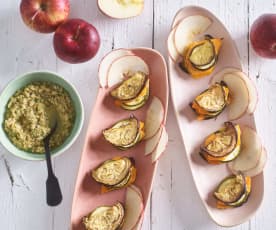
pixel 153 142
pixel 171 46
pixel 121 9
pixel 133 206
pixel 161 147
pixel 107 61
pixel 188 29
pixel 154 117
pixel 250 154
pixel 126 65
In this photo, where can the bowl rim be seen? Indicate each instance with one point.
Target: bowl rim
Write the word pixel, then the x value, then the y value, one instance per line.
pixel 77 99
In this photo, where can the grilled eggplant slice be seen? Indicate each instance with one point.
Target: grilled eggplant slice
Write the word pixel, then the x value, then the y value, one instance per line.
pixel 223 145
pixel 233 191
pixel 125 133
pixel 200 57
pixel 105 218
pixel 211 102
pixel 130 88
pixel 112 172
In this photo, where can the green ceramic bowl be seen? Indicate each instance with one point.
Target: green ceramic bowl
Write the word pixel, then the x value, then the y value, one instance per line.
pixel 24 80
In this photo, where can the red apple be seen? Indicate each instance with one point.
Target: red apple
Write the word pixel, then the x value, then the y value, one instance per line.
pixel 76 41
pixel 44 16
pixel 263 35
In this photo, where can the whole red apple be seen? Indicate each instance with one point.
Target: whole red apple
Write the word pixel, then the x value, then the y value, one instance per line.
pixel 76 41
pixel 44 16
pixel 263 35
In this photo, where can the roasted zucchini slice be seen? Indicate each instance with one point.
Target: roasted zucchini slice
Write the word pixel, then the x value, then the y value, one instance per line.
pixel 233 191
pixel 134 107
pixel 223 145
pixel 105 218
pixel 203 53
pixel 124 133
pixel 207 66
pixel 212 101
pixel 112 172
pixel 137 102
pixel 130 88
pixel 129 179
pixel 200 57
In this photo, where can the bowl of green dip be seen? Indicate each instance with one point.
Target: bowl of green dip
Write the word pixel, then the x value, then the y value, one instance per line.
pixel 24 117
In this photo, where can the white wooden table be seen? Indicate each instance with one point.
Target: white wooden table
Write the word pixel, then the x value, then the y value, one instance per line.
pixel 174 204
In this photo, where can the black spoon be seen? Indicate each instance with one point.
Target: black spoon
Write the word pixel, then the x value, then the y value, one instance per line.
pixel 53 191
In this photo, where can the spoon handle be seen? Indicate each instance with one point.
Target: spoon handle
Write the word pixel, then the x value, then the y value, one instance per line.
pixel 53 191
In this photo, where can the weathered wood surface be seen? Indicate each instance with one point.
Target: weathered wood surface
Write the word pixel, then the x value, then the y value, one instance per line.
pixel 174 204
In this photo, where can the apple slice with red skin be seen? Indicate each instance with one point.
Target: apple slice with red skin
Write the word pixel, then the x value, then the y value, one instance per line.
pixel 76 41
pixel 260 166
pixel 187 30
pixel 154 117
pixel 250 154
pixel 173 53
pixel 123 65
pixel 218 76
pixel 121 9
pixel 160 148
pixel 44 16
pixel 107 61
pixel 133 207
pixel 151 143
pixel 252 90
pixel 239 93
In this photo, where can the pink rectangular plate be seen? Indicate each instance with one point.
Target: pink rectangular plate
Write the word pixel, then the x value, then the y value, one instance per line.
pixel 96 149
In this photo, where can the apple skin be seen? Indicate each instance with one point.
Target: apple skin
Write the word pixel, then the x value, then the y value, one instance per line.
pixel 76 41
pixel 263 36
pixel 44 16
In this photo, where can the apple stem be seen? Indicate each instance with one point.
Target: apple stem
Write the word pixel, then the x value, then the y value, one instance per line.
pixel 273 47
pixel 43 7
pixel 77 33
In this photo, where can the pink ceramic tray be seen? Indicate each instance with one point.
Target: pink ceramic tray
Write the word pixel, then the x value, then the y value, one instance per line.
pixel 183 90
pixel 87 194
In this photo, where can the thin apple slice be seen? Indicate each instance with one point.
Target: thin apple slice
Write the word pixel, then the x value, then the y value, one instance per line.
pixel 217 77
pixel 127 64
pixel 174 55
pixel 238 92
pixel 188 29
pixel 134 207
pixel 154 117
pixel 121 8
pixel 160 148
pixel 153 142
pixel 260 166
pixel 107 61
pixel 252 90
pixel 251 149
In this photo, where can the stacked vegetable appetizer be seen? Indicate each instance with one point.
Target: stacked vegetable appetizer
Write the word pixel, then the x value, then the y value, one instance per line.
pixel 195 52
pixel 127 82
